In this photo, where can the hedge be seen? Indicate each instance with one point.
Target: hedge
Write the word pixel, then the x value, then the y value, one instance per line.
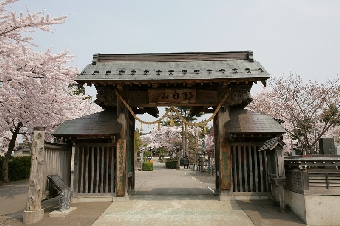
pixel 172 164
pixel 18 167
pixel 147 166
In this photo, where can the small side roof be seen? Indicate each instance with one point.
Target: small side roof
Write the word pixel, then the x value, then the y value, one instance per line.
pixel 246 121
pixel 271 144
pixel 103 124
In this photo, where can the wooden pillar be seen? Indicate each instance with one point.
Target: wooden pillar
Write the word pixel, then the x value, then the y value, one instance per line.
pixel 123 118
pixel 76 165
pixel 72 167
pixel 217 159
pixel 33 212
pixel 131 159
pixel 224 150
pixel 222 147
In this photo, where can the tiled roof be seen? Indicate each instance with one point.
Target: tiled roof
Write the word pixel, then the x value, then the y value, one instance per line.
pixel 246 121
pixel 173 66
pixel 271 144
pixel 100 124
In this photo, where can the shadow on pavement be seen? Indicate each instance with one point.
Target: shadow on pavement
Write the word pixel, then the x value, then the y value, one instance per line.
pixel 173 197
pixel 264 212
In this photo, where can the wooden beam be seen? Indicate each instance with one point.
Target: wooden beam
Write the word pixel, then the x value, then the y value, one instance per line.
pixel 107 97
pixel 203 98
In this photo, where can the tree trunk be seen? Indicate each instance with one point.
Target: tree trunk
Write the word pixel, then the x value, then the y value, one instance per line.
pixel 4 175
pixel 11 145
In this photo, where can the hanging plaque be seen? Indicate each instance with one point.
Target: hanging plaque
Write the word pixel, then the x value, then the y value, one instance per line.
pixel 171 96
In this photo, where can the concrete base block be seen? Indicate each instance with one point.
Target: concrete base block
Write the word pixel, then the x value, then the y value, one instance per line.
pixel 80 199
pixel 250 197
pixel 58 213
pixel 34 216
pixel 243 196
pixel 314 209
pixel 84 198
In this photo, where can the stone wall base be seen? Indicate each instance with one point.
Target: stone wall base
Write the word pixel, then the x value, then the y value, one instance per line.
pixel 314 209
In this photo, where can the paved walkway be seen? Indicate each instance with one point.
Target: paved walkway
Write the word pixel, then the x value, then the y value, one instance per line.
pixel 172 197
pixel 163 197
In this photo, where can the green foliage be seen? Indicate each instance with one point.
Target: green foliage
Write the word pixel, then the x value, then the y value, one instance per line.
pixel 331 115
pixel 185 112
pixel 78 90
pixel 147 166
pixel 18 167
pixel 171 164
pixel 160 151
pixel 138 141
pixel 147 153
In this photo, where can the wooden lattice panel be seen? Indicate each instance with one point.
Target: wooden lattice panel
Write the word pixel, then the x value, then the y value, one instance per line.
pixel 294 180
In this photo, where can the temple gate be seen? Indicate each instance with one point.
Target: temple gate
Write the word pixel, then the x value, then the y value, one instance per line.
pixel 132 84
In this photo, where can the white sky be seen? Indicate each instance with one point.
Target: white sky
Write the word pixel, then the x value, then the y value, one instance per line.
pixel 287 36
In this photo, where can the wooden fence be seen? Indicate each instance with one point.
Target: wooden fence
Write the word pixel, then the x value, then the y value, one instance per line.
pixel 95 169
pixel 249 168
pixel 57 161
pixel 318 175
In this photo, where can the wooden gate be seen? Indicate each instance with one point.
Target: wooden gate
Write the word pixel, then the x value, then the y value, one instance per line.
pixel 249 168
pixel 95 169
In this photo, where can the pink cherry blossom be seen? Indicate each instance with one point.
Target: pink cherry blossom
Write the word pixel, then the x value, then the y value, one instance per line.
pixel 34 86
pixel 309 110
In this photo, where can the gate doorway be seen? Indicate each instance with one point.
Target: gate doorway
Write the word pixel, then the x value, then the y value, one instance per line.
pixel 171 182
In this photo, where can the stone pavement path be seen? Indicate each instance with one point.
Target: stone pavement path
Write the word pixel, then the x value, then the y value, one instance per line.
pixel 167 182
pixel 163 197
pixel 173 210
pixel 172 197
pixel 185 197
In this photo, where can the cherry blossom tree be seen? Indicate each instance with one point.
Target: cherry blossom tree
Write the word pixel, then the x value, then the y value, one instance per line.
pixel 170 137
pixel 309 110
pixel 167 136
pixel 209 142
pixel 35 86
pixel 187 114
